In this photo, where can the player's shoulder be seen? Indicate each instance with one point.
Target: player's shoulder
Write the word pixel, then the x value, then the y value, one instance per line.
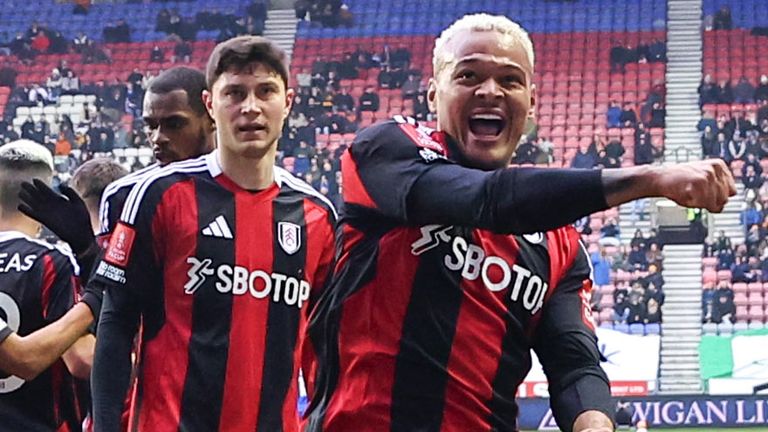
pixel 288 181
pixel 124 184
pixel 400 134
pixel 156 182
pixel 14 242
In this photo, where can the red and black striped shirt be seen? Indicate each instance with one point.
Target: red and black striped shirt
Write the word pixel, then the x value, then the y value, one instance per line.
pixel 221 277
pixel 429 327
pixel 38 285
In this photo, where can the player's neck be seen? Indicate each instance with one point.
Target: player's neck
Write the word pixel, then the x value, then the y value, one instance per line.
pixel 20 223
pixel 249 173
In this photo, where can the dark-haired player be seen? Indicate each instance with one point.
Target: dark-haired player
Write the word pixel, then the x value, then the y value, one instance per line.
pixel 218 256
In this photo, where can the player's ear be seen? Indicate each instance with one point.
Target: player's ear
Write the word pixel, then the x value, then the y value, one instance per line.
pixel 532 110
pixel 289 95
pixel 208 101
pixel 432 95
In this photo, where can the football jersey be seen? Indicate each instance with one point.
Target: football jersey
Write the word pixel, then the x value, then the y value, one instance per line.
pixel 429 327
pixel 224 277
pixel 38 285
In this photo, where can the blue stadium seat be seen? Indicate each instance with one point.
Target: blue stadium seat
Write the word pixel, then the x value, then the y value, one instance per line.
pixel 637 328
pixel 652 329
pixel 621 327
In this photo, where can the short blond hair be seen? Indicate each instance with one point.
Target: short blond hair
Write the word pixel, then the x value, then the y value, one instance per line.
pixel 480 22
pixel 21 160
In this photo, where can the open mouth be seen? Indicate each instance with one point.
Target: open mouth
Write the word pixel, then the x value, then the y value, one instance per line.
pixel 251 128
pixel 486 125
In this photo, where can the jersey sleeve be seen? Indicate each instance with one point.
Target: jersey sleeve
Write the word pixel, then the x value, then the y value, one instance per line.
pixel 60 284
pixel 129 260
pixel 110 208
pixel 403 172
pixel 566 344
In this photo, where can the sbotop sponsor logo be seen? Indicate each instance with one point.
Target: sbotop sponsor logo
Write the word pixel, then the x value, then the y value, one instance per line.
pixel 495 272
pixel 238 280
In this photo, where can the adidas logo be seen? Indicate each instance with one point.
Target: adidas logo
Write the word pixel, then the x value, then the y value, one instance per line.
pixel 218 228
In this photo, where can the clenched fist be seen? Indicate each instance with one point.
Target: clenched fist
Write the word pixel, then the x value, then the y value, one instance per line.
pixel 702 184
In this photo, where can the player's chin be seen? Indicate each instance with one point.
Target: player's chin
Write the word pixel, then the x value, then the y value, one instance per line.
pixel 488 152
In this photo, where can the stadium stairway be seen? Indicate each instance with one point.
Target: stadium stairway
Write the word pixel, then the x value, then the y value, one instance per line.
pixel 684 66
pixel 729 220
pixel 681 328
pixel 281 27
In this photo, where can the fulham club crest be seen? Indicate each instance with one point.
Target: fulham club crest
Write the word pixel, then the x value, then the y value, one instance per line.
pixel 289 237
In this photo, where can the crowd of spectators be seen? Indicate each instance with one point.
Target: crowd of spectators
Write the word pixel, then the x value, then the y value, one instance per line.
pixel 185 28
pixel 328 13
pixel 639 298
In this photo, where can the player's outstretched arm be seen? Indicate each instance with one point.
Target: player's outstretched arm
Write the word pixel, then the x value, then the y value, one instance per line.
pixel 112 360
pixel 30 355
pixel 701 184
pixel 593 421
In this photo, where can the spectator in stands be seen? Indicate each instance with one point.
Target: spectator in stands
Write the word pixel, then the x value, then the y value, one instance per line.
pixel 637 259
pixel 709 147
pixel 525 153
pixel 20 47
pixel 613 154
pixel 80 42
pixel 658 116
pixel 346 18
pixel 723 20
pixel 163 20
pixel 70 84
pixel 628 117
pixel 119 32
pixel 708 91
pixel 620 306
pixel 610 233
pixel 156 55
pixel 301 7
pixel 369 100
pixel 182 52
pixel 257 10
pixel 751 179
pixel 761 92
pixel 724 92
pixel 421 108
pixel 721 242
pixel 601 264
pixel 723 307
pixel 752 241
pixel 657 51
pixel 584 157
pixel 741 271
pixel 53 84
pixel 613 115
pixel 620 55
pixel 38 95
pixel 752 214
pixel 645 152
pixel 652 312
pixel 744 91
pixel 636 308
pixel 343 100
pixel 638 240
pixel 411 86
pixel 93 53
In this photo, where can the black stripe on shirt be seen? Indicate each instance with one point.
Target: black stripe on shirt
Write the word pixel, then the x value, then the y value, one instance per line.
pixel 283 319
pixel 418 391
pixel 211 317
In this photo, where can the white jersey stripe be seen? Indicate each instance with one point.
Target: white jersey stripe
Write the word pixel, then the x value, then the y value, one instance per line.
pixel 128 181
pixel 131 208
pixel 285 177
